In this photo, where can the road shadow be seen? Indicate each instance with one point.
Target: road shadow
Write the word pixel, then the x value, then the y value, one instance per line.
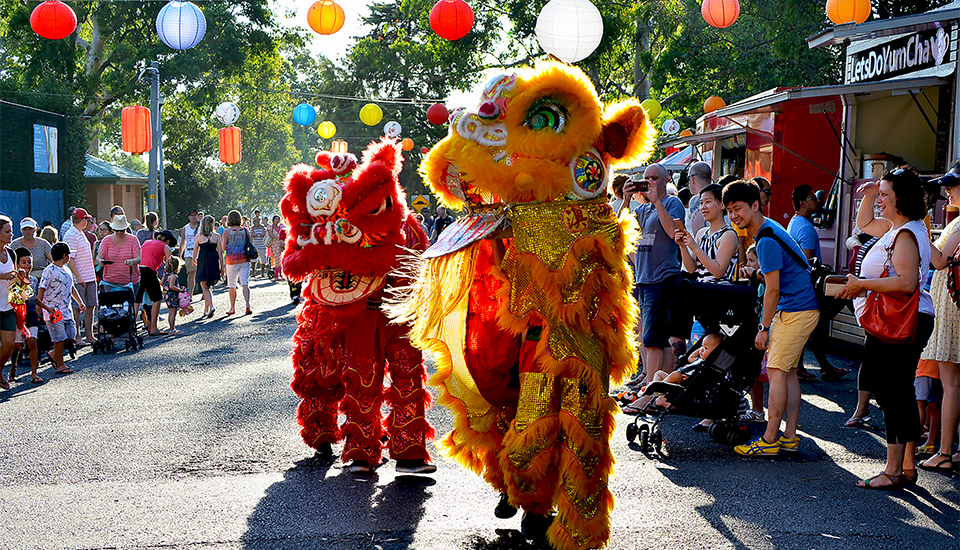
pixel 319 505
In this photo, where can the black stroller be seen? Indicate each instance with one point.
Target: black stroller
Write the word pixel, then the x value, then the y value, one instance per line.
pixel 116 317
pixel 717 385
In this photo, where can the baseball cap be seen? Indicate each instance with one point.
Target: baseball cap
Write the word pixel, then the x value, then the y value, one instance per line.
pixel 192 211
pixel 80 214
pixel 949 179
pixel 933 189
pixel 28 222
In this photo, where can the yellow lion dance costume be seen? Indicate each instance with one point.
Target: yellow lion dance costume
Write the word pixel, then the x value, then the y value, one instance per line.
pixel 531 323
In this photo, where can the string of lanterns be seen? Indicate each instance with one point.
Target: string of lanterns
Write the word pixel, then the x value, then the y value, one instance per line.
pixel 229 138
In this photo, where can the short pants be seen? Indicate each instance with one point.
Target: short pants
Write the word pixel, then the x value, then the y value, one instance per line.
pixel 88 293
pixel 33 334
pixel 238 271
pixel 788 336
pixel 63 330
pixel 8 320
pixel 657 307
pixel 928 389
pixel 188 264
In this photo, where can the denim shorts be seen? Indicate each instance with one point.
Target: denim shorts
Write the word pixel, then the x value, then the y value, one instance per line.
pixel 928 389
pixel 65 329
pixel 657 302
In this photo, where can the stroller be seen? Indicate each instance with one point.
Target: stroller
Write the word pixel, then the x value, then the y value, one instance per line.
pixel 116 317
pixel 717 385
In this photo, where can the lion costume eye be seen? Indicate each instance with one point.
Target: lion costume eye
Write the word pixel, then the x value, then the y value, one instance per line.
pixel 386 204
pixel 544 114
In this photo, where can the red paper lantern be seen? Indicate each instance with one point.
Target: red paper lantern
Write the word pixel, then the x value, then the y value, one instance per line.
pixel 53 20
pixel 424 150
pixel 451 19
pixel 325 17
pixel 230 145
pixel 720 13
pixel 438 114
pixel 848 11
pixel 135 129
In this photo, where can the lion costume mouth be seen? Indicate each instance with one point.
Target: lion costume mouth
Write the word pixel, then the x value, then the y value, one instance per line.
pixel 336 287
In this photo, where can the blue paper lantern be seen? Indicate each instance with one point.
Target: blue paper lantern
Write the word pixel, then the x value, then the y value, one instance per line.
pixel 181 25
pixel 304 114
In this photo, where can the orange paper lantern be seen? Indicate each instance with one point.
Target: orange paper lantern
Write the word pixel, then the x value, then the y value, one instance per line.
pixel 721 13
pixel 848 11
pixel 686 133
pixel 325 17
pixel 713 103
pixel 407 144
pixel 230 145
pixel 135 129
pixel 338 146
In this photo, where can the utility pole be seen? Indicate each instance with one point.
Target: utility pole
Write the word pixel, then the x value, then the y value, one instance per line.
pixel 162 180
pixel 155 172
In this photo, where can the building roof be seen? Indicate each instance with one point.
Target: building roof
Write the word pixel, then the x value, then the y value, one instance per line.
pixel 876 28
pixel 101 171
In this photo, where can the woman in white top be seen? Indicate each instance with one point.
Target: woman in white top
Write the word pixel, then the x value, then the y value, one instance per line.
pixel 888 370
pixel 8 318
pixel 712 256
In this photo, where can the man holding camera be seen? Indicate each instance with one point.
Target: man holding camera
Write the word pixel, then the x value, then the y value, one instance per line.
pixel 657 273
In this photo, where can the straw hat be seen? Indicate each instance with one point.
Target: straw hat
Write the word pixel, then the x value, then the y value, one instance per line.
pixel 119 223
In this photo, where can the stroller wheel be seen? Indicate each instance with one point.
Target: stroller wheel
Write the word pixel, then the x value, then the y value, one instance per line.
pixel 644 438
pixel 632 431
pixel 656 439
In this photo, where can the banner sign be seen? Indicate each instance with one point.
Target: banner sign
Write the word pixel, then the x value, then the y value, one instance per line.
pixel 45 149
pixel 903 55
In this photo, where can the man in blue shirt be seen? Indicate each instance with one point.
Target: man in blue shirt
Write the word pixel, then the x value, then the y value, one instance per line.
pixel 657 271
pixel 805 205
pixel 790 313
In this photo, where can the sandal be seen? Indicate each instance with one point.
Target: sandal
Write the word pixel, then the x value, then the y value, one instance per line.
pixel 230 312
pixel 4 385
pixel 249 312
pixel 910 476
pixel 896 482
pixel 64 370
pixel 37 380
pixel 807 376
pixel 944 458
pixel 857 422
pixel 752 416
pixel 834 374
pixel 633 408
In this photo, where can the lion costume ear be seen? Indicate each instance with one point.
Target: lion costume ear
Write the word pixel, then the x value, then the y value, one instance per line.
pixel 627 137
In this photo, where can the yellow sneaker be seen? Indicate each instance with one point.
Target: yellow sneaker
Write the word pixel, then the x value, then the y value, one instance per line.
pixel 758 447
pixel 789 444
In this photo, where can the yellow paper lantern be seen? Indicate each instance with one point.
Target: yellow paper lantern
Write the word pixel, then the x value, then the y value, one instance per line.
pixel 325 17
pixel 713 103
pixel 651 107
pixel 848 11
pixel 327 129
pixel 371 114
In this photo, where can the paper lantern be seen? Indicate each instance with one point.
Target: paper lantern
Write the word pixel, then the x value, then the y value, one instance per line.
pixel 230 145
pixel 686 133
pixel 438 114
pixel 325 17
pixel 651 107
pixel 327 129
pixel 392 129
pixel 407 144
pixel 424 150
pixel 53 20
pixel 135 129
pixel 338 146
pixel 721 13
pixel 181 25
pixel 227 113
pixel 713 103
pixel 848 11
pixel 371 114
pixel 569 29
pixel 304 114
pixel 451 19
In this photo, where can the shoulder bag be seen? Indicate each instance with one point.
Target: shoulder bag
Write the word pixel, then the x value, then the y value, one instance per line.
pixel 248 248
pixel 892 317
pixel 953 277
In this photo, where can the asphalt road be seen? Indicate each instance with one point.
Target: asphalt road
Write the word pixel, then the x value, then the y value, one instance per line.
pixel 192 443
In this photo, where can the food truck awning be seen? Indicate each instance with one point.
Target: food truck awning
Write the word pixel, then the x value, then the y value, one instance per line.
pixel 884 27
pixel 699 138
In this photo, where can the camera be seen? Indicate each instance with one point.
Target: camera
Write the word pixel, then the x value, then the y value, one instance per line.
pixel 642 184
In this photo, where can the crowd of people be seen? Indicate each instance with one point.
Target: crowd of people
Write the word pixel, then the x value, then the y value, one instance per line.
pixel 50 278
pixel 716 233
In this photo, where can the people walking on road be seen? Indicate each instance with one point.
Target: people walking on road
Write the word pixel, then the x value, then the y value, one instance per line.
pixel 188 236
pixel 39 248
pixel 171 293
pixel 153 254
pixel 897 265
pixel 80 262
pixel 258 235
pixel 790 313
pixel 50 234
pixel 944 343
pixel 442 221
pixel 149 227
pixel 237 265
pixel 209 263
pixel 57 286
pixel 119 254
pixel 8 318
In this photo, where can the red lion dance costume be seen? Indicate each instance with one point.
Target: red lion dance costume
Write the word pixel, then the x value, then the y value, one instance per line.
pixel 347 226
pixel 531 323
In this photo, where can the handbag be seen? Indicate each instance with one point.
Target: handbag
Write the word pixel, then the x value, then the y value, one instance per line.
pixel 892 317
pixel 953 277
pixel 249 249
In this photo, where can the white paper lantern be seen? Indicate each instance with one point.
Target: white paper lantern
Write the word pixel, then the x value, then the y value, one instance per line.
pixel 570 29
pixel 392 129
pixel 181 25
pixel 227 113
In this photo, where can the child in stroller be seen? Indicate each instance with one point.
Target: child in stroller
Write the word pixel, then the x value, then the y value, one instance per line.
pixel 116 316
pixel 682 374
pixel 715 383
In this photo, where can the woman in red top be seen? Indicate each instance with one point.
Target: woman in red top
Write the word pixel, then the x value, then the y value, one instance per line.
pixel 122 251
pixel 153 253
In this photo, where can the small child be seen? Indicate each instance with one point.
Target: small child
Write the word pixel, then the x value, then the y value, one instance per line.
pixel 171 294
pixel 707 344
pixel 32 321
pixel 56 288
pixel 751 271
pixel 929 393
